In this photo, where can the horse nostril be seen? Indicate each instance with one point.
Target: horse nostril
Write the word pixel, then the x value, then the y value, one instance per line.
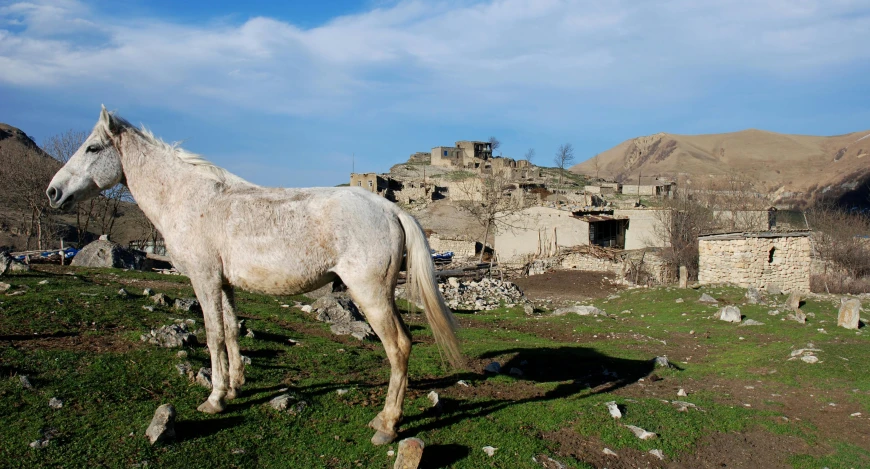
pixel 53 194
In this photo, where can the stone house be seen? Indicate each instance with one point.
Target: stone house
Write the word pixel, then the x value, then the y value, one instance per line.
pixel 370 181
pixel 756 259
pixel 466 154
pixel 655 187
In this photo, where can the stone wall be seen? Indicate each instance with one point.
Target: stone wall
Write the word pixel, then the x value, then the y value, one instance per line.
pixel 460 248
pixel 749 260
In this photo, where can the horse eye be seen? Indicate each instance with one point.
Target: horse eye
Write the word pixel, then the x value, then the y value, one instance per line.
pixel 93 149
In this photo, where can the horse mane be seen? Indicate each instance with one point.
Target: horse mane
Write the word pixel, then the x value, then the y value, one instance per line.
pixel 198 162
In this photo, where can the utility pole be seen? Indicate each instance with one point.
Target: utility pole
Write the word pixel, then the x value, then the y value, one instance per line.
pixel 353 163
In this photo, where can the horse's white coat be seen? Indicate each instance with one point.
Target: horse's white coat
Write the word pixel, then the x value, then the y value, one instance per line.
pixel 225 232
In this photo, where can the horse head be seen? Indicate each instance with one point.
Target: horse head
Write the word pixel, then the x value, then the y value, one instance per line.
pixel 95 166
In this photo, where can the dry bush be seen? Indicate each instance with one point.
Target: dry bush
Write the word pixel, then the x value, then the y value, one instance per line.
pixel 841 239
pixel 839 283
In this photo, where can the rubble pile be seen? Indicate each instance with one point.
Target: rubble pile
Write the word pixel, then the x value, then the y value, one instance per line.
pixel 486 294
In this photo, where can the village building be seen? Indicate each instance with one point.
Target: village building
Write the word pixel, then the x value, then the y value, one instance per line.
pixel 756 259
pixel 652 186
pixel 369 181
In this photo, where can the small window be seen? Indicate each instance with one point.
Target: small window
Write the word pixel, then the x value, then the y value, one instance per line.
pixel 370 184
pixel 770 255
pixel 359 183
pixel 445 152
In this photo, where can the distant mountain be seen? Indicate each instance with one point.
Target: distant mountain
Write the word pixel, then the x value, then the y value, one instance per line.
pixel 796 168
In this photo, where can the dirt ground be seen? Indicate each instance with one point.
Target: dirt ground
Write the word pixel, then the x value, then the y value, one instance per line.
pixel 568 286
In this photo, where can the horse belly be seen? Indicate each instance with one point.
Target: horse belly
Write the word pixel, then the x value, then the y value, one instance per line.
pixel 276 280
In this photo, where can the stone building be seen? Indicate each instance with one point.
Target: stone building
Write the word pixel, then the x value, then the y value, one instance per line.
pixel 466 154
pixel 756 259
pixel 370 181
pixel 653 186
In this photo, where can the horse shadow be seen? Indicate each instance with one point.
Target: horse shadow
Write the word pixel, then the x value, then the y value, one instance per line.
pixel 575 369
pixel 195 429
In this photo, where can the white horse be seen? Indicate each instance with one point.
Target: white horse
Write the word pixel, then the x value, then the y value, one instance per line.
pixel 224 232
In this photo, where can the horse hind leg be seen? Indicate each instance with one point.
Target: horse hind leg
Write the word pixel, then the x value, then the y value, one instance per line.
pixel 231 334
pixel 382 315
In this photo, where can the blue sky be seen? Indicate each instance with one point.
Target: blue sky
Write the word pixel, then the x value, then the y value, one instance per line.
pixel 290 94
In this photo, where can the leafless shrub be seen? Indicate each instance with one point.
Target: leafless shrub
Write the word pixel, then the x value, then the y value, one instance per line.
pixel 841 239
pixel 839 283
pixel 488 200
pixel 681 221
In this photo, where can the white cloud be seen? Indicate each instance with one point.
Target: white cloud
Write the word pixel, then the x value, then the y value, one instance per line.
pixel 417 56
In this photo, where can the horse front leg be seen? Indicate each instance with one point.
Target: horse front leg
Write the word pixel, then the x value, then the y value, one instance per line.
pixel 209 294
pixel 231 335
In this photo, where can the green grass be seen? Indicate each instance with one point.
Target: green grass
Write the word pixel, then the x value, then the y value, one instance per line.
pixel 110 392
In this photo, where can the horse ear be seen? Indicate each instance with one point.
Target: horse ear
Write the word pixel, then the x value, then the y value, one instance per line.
pixel 109 121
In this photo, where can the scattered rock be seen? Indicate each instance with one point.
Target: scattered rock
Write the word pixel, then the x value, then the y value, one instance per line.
pixel 203 377
pixel 48 434
pixel 246 360
pixel 147 292
pixel 729 314
pixel 797 316
pixel 682 393
pixel 609 452
pixel 547 462
pixel 793 302
pixel 150 309
pixel 640 432
pixel 123 293
pixel 4 287
pixel 342 392
pixel 306 308
pixel 184 369
pixel 613 409
pixel 678 300
pixel 528 309
pixel 187 305
pixel 705 298
pixel 774 312
pixel 657 453
pixel 579 310
pixel 494 367
pixel 810 359
pixel 753 296
pixel 340 311
pixel 24 380
pixel 435 400
pixel 160 299
pixel 162 427
pixel 45 282
pixel 751 322
pixel 55 403
pixel 773 289
pixel 661 362
pixel 281 402
pixel 514 371
pixel 849 315
pixel 489 450
pixel 171 336
pixel 410 453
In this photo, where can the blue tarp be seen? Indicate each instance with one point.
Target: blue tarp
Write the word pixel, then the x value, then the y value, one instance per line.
pixel 68 253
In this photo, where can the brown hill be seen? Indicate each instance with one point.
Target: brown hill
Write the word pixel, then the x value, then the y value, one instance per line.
pixel 799 167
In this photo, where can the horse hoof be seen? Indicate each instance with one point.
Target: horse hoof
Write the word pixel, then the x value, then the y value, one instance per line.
pixel 232 394
pixel 209 408
pixel 383 438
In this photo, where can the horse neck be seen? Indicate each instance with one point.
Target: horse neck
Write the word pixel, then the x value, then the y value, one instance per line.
pixel 163 186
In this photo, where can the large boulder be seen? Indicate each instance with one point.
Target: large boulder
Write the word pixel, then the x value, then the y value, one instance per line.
pixel 104 253
pixel 340 311
pixel 849 315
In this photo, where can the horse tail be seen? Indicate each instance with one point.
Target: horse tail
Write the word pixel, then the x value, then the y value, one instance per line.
pixel 420 283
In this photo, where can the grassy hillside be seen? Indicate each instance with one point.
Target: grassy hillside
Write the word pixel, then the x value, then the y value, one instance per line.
pixel 750 406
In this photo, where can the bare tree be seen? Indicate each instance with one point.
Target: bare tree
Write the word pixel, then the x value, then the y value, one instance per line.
pixel 24 178
pixel 491 200
pixel 680 222
pixel 840 238
pixel 530 155
pixel 63 146
pixel 494 144
pixel 564 156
